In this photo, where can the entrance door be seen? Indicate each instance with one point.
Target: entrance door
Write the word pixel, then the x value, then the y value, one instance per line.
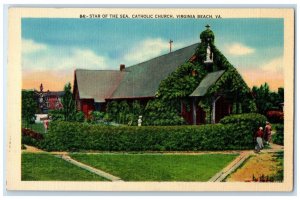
pixel 222 108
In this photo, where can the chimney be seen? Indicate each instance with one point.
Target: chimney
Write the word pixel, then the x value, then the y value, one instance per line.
pixel 122 67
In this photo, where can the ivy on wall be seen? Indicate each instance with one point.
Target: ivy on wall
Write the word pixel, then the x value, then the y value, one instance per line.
pixel 175 89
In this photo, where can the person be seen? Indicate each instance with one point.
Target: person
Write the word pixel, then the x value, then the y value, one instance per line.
pixel 268 132
pixel 259 135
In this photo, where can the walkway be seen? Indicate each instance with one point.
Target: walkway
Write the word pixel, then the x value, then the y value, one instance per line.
pixel 236 163
pixel 89 168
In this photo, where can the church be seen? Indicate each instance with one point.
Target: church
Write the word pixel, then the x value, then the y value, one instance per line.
pixel 222 87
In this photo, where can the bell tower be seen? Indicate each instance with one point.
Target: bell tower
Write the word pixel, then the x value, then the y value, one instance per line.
pixel 207 38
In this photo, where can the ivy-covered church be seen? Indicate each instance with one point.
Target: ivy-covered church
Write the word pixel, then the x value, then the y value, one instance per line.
pixel 192 85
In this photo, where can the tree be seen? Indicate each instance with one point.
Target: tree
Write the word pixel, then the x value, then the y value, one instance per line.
pixel 68 103
pixel 29 107
pixel 266 100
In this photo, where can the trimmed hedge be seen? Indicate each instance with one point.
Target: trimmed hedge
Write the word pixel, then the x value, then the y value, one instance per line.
pixel 73 136
pixel 254 120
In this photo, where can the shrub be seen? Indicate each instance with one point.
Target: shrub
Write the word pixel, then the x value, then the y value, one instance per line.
pixel 252 120
pixel 275 116
pixel 56 115
pixel 72 136
pixel 79 116
pixel 278 137
pixel 30 137
pixel 97 116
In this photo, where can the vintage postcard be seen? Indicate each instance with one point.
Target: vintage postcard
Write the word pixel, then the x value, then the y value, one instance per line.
pixel 115 99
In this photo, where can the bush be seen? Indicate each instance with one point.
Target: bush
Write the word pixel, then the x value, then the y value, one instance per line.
pixel 278 137
pixel 56 115
pixel 30 137
pixel 68 136
pixel 79 116
pixel 96 116
pixel 275 116
pixel 252 120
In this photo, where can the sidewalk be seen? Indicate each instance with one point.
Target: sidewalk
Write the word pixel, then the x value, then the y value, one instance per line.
pixel 244 155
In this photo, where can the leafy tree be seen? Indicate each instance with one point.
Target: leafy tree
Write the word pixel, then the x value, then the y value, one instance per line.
pixel 29 107
pixel 68 103
pixel 266 100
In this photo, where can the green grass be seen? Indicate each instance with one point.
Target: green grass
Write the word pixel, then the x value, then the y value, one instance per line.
pixel 46 167
pixel 39 127
pixel 279 158
pixel 151 167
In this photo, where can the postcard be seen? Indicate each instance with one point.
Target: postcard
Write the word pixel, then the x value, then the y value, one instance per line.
pixel 150 99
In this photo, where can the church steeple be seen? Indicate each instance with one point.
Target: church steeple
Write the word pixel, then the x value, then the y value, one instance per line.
pixel 207 37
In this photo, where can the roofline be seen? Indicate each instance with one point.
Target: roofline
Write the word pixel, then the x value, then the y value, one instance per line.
pixel 224 71
pixel 108 70
pixel 117 70
pixel 161 55
pixel 144 97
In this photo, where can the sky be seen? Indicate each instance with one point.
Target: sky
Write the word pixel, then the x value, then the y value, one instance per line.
pixel 52 48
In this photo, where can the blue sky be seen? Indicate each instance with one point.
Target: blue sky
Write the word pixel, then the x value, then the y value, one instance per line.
pixel 61 45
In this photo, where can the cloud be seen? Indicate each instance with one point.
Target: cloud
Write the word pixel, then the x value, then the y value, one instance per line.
pixel 43 57
pixel 270 72
pixel 238 49
pixel 275 65
pixel 30 46
pixel 147 49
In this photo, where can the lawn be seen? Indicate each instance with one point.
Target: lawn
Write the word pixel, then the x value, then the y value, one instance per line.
pixel 46 167
pixel 158 167
pixel 37 127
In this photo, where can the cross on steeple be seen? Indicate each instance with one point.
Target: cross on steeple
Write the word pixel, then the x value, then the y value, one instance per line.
pixel 170 42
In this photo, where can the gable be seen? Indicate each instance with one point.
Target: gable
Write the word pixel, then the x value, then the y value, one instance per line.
pixel 97 84
pixel 143 79
pixel 209 80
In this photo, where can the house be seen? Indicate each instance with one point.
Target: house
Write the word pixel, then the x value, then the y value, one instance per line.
pixel 93 89
pixel 48 100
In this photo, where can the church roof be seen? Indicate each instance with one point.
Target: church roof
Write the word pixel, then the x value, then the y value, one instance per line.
pixel 97 84
pixel 206 83
pixel 143 79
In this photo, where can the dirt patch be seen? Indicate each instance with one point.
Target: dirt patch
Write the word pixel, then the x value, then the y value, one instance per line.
pixel 31 149
pixel 259 164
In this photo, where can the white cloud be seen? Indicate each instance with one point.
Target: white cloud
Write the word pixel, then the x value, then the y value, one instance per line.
pixel 149 48
pixel 238 49
pixel 46 57
pixel 275 65
pixel 30 46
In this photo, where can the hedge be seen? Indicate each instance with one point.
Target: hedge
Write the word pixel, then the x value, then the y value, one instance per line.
pixel 252 120
pixel 278 137
pixel 30 137
pixel 74 136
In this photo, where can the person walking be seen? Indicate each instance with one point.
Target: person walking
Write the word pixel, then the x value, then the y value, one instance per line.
pixel 268 132
pixel 259 140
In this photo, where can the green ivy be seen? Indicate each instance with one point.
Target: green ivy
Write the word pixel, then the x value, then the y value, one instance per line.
pixel 175 89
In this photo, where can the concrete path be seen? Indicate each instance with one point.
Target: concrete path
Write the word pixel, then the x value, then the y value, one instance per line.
pixel 244 155
pixel 220 176
pixel 89 168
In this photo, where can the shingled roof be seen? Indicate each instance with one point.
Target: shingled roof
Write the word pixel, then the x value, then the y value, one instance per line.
pixel 206 83
pixel 143 79
pixel 97 84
